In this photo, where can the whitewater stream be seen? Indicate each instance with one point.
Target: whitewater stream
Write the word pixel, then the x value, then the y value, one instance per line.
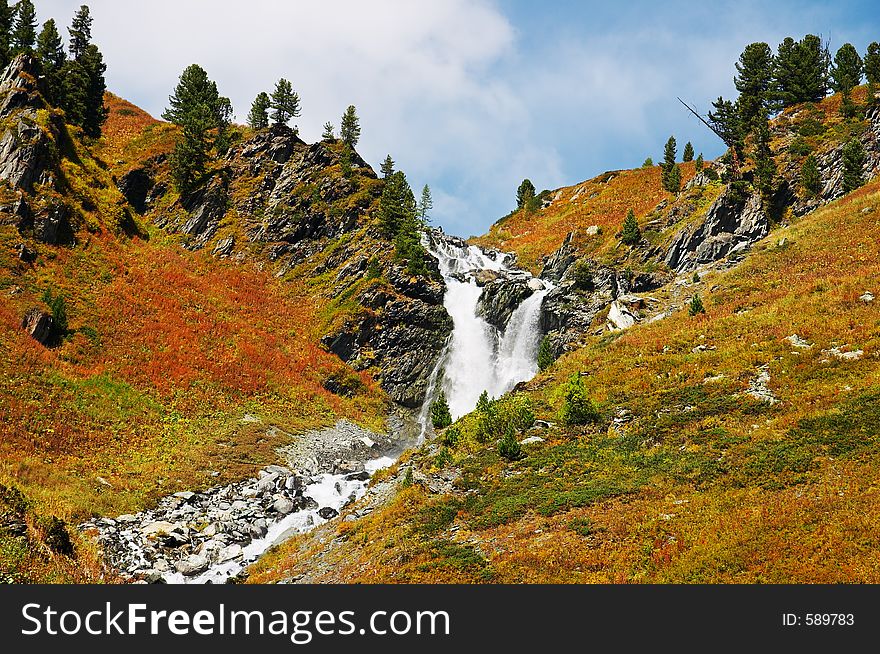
pixel 212 536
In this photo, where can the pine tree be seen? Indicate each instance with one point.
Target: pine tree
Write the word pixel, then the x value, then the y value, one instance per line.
pixel 698 164
pixel 484 404
pixel 258 117
pixel 846 74
pixel 688 154
pixel 872 71
pixel 197 107
pixel 525 195
pixel 327 134
pixel 397 205
pixel 630 234
pixel 696 306
pixel 92 62
pixel 648 162
pixel 754 80
pixel 765 168
pixel 387 168
pixel 350 128
pixel 545 354
pixel 440 415
pixel 508 446
pixel 50 52
pixel 726 120
pixel 811 182
pixel 425 204
pixel 24 34
pixel 345 160
pixel 854 159
pixel 285 102
pixel 75 92
pixel 578 408
pixel 801 71
pixel 671 176
pixel 80 32
pixel 7 21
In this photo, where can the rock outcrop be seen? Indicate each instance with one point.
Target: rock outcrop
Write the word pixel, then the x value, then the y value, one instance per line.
pixel 39 325
pixel 732 224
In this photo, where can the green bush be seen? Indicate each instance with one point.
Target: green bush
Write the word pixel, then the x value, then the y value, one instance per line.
pixel 508 446
pixel 578 408
pixel 58 307
pixel 451 437
pixel 696 305
pixel 583 274
pixel 496 417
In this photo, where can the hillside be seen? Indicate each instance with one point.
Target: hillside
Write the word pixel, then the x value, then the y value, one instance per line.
pixel 736 445
pixel 169 346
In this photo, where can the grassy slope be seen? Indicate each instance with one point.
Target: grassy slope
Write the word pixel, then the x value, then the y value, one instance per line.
pixel 168 350
pixel 703 483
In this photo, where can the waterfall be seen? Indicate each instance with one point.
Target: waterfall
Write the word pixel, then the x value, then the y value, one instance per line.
pixel 478 357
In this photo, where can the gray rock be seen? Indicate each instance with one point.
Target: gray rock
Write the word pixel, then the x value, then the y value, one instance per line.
pixel 328 512
pixel 192 565
pixel 283 506
pixel 39 325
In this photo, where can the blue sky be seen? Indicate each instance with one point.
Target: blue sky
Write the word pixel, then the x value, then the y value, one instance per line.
pixel 471 96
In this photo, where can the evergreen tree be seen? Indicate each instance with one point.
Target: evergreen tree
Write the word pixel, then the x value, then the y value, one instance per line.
pixel 846 74
pixel 350 128
pixel 525 195
pixel 397 205
pixel 508 446
pixel 258 117
pixel 754 80
pixel 765 168
pixel 872 71
pixel 285 102
pixel 854 160
pixel 811 182
pixel 484 404
pixel 75 92
pixel 630 234
pixel 688 154
pixel 24 33
pixel 578 408
pixel 345 160
pixel 801 71
pixel 648 163
pixel 440 415
pixel 327 134
pixel 387 168
pixel 425 204
pixel 698 164
pixel 726 120
pixel 671 175
pixel 96 112
pixel 197 107
pixel 7 21
pixel 80 32
pixel 696 306
pixel 50 52
pixel 545 354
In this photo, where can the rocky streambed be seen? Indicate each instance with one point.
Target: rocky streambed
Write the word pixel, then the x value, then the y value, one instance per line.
pixel 211 536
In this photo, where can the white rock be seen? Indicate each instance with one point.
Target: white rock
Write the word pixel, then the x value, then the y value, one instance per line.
pixel 798 342
pixel 249 418
pixel 867 297
pixel 283 505
pixel 230 552
pixel 592 230
pixel 619 317
pixel 531 439
pixel 536 284
pixel 367 442
pixel 160 528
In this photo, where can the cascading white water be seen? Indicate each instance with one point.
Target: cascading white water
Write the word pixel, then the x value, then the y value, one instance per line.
pixel 478 358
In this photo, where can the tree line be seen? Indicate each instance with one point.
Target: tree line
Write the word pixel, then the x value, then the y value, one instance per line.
pixel 73 77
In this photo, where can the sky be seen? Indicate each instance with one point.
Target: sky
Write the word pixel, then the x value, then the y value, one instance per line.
pixel 468 96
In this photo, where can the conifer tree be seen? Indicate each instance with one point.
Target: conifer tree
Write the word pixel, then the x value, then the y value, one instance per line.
pixel 397 205
pixel 197 107
pixel 7 21
pixel 545 354
pixel 50 52
pixel 484 404
pixel 726 120
pixel 24 33
pixel 80 32
pixel 327 134
pixel 872 71
pixel 754 80
pixel 630 233
pixel 508 446
pixel 350 128
pixel 698 163
pixel 440 415
pixel 345 160
pixel 387 168
pixel 258 117
pixel 425 204
pixel 648 162
pixel 696 305
pixel 765 168
pixel 671 176
pixel 811 182
pixel 688 154
pixel 846 74
pixel 854 159
pixel 83 89
pixel 578 408
pixel 285 102
pixel 525 195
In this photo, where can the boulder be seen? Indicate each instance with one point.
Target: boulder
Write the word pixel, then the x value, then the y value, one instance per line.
pixel 328 512
pixel 192 565
pixel 229 553
pixel 39 325
pixel 283 506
